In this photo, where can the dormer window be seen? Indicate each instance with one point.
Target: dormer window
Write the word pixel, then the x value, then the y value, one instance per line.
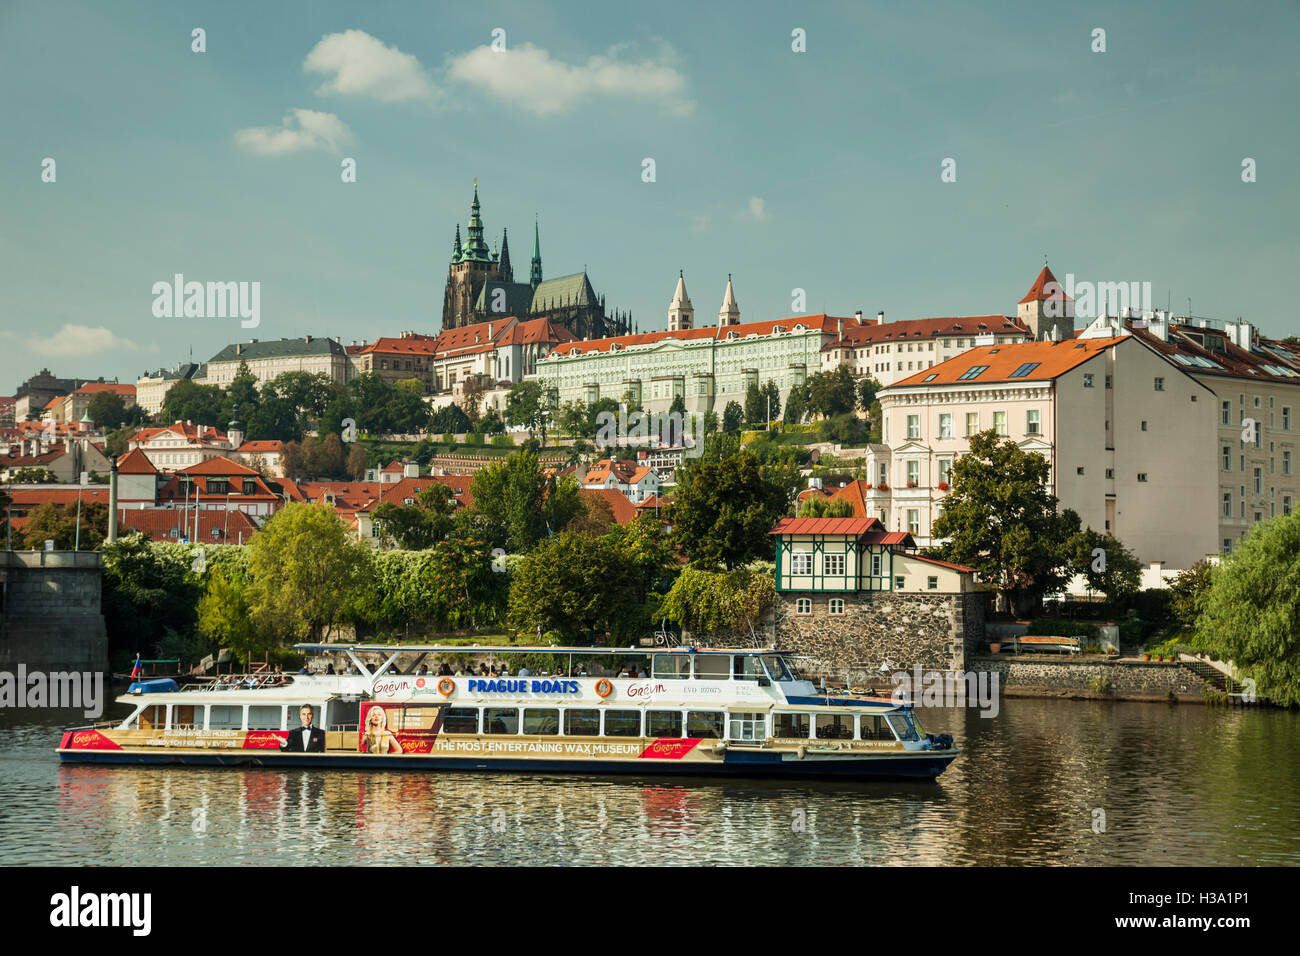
pixel 778 329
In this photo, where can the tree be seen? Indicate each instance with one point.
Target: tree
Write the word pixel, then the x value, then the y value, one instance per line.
pixel 832 393
pixel 306 569
pixel 597 516
pixel 520 505
pixel 649 551
pixel 819 507
pixel 1000 519
pixel 407 413
pixel 60 522
pixel 241 399
pixel 118 442
pixel 450 420
pixel 771 401
pixel 356 463
pixel 1188 591
pixel 796 405
pixel 524 406
pixel 369 396
pixel 421 525
pixel 107 410
pixel 1251 611
pixel 276 419
pixel 755 407
pixel 723 510
pixel 732 417
pixel 572 417
pixel 189 402
pixel 1106 564
pixel 471 401
pixel 713 601
pixel 29 475
pixel 866 392
pixel 573 584
pixel 224 616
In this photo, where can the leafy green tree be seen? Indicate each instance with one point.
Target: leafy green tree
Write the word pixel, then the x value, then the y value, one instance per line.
pixel 574 583
pixel 1000 519
pixel 818 507
pixel 602 406
pixel 723 510
pixel 310 393
pixel 648 548
pixel 491 423
pixel 755 406
pixel 276 419
pixel 189 402
pixel 241 398
pixel 1106 564
pixel 450 420
pixel 462 587
pixel 60 521
pixel 520 504
pixel 572 417
pixel 356 463
pixel 733 417
pixel 845 429
pixel 524 406
pixel 107 410
pixel 224 616
pixel 406 412
pixel 832 393
pixel 796 405
pixel 1251 614
pixel 866 393
pixel 118 441
pixel 370 395
pixel 421 525
pixel 29 475
pixel 708 602
pixel 1188 591
pixel 771 401
pixel 306 568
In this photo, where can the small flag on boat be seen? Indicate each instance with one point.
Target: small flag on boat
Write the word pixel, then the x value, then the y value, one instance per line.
pixel 137 669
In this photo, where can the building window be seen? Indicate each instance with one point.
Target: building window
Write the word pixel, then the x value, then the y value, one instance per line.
pixel 1227 458
pixel 1110 473
pixel 1227 546
pixel 801 562
pixel 945 470
pixel 1144 426
pixel 1142 476
pixel 945 425
pixel 1079 470
pixel 1160 384
pixel 1286 463
pixel 1000 423
pixel 1227 504
pixel 898 583
pixel 913 521
pixel 1286 504
pixel 1227 413
pixel 803 606
pixel 913 426
pixel 875 564
pixel 833 565
pixel 932 583
pixel 972 423
pixel 913 473
pixel 1087 381
pixel 1286 418
pixel 1259 480
pixel 1032 421
pixel 835 607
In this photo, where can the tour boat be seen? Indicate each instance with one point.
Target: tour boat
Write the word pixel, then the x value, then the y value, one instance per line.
pixel 692 711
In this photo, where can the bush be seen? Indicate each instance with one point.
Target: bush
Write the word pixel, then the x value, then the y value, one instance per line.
pixel 503 441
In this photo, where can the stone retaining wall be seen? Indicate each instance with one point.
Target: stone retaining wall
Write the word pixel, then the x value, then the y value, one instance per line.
pixel 1100 679
pixel 52 617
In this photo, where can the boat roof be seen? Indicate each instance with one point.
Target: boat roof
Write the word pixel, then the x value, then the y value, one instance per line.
pixel 542 649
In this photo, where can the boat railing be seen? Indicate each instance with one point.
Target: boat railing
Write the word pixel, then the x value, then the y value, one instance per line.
pixel 241 682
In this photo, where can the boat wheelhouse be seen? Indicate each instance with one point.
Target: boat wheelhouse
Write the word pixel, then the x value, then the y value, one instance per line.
pixel 695 711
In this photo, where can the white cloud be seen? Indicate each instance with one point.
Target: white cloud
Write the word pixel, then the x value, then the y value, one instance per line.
pixel 700 224
pixel 758 209
pixel 527 77
pixel 363 66
pixel 73 341
pixel 300 129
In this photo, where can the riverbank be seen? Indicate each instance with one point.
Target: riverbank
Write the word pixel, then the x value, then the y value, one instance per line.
pixel 1097 678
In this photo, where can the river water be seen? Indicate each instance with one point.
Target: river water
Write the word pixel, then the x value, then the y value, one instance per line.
pixel 1178 785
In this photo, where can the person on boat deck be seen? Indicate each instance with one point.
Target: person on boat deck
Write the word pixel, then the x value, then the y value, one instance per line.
pixel 378 739
pixel 503 671
pixel 307 739
pixel 330 669
pixel 424 669
pixel 484 671
pixel 444 670
pixel 525 671
pixel 303 669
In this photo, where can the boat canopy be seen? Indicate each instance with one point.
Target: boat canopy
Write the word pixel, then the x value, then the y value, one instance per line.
pixel 542 649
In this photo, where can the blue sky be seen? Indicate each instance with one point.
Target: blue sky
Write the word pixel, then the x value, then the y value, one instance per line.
pixel 817 170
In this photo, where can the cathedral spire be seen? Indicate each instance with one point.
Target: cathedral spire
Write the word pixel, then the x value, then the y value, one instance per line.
pixel 507 274
pixel 729 314
pixel 681 314
pixel 476 249
pixel 535 274
pixel 455 248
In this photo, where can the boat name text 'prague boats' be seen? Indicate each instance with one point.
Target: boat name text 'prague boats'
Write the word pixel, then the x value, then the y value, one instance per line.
pixel 699 712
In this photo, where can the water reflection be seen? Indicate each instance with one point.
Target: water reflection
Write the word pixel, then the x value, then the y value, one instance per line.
pixel 1180 785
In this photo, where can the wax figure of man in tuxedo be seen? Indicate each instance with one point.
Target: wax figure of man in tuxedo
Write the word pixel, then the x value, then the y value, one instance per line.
pixel 307 738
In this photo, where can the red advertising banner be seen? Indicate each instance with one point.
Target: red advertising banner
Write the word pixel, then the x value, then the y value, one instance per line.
pixel 671 748
pixel 398 728
pixel 87 740
pixel 264 739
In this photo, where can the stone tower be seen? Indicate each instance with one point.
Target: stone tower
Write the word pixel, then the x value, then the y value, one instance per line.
pixel 471 266
pixel 729 314
pixel 681 314
pixel 1046 310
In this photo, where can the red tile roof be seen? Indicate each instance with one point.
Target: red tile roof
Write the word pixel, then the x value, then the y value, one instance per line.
pixel 218 465
pixel 158 524
pixel 91 388
pixel 622 509
pixel 921 329
pixel 849 526
pixel 855 493
pixel 1040 289
pixel 943 564
pixel 260 447
pixel 135 462
pixel 1053 359
pixel 822 323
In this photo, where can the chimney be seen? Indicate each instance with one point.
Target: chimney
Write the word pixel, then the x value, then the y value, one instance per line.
pixel 239 348
pixel 307 339
pixel 858 316
pixel 839 327
pixel 880 318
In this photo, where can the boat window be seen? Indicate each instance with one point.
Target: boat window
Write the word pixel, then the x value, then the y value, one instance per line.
pixel 500 720
pixel 748 726
pixel 663 723
pixel 183 717
pixel 748 667
pixel 582 723
pixel 874 727
pixel 790 725
pixel 622 723
pixel 460 720
pixel 834 726
pixel 711 667
pixel 776 668
pixel 265 717
pixel 705 723
pixel 152 718
pixel 344 714
pixel 226 717
pixel 545 721
pixel 902 726
pixel 672 666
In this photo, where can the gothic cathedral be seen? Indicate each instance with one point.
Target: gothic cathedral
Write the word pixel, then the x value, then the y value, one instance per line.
pixel 481 287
